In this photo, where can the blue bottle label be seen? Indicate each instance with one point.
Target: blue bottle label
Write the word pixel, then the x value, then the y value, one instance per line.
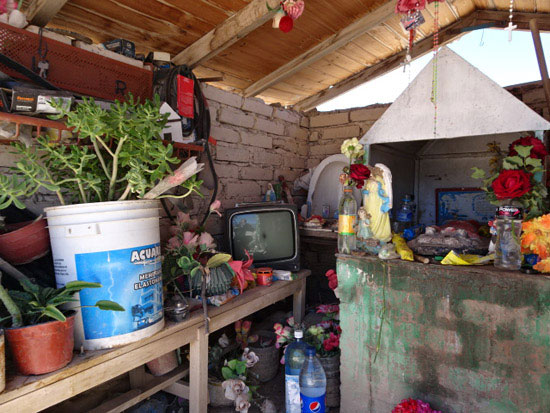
pixel 292 387
pixel 404 216
pixel 313 404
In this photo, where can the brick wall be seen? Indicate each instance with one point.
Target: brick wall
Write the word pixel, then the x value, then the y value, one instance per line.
pixel 463 339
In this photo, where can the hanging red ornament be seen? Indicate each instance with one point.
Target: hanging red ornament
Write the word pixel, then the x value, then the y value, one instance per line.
pixel 405 6
pixel 286 24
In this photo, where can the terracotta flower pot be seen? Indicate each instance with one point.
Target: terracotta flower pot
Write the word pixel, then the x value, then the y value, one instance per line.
pixel 163 364
pixel 42 348
pixel 26 242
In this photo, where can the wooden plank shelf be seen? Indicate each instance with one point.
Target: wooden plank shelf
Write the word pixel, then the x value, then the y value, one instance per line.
pixel 91 368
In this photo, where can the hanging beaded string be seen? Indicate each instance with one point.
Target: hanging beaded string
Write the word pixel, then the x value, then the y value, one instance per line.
pixel 434 64
pixel 511 26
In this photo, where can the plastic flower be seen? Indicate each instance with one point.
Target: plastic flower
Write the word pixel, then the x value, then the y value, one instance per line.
pixel 215 206
pixel 206 240
pixel 328 309
pixel 174 243
pixel 294 9
pixel 290 321
pixel 538 150
pixel 331 343
pixel 332 279
pixel 184 220
pixel 250 357
pixel 536 237
pixel 413 406
pixel 242 270
pixel 242 404
pixel 190 240
pixel 315 330
pixel 234 388
pixel 352 148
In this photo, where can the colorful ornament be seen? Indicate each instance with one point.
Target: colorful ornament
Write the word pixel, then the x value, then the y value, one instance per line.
pixel 286 13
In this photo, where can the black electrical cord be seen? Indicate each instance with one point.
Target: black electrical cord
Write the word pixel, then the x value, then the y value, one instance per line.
pixel 201 122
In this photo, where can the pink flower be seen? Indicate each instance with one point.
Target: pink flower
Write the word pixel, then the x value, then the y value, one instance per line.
pixel 242 404
pixel 404 6
pixel 215 206
pixel 207 240
pixel 174 243
pixel 294 8
pixel 234 388
pixel 190 240
pixel 328 309
pixel 185 220
pixel 242 271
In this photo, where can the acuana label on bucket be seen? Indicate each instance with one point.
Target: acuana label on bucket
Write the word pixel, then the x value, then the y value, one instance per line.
pixel 131 277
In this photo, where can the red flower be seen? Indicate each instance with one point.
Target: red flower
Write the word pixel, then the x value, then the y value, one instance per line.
pixel 331 343
pixel 359 172
pixel 286 24
pixel 332 279
pixel 538 152
pixel 511 184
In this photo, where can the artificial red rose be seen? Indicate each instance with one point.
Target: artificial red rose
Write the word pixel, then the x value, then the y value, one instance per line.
pixel 405 6
pixel 286 24
pixel 331 343
pixel 333 283
pixel 538 152
pixel 511 184
pixel 359 172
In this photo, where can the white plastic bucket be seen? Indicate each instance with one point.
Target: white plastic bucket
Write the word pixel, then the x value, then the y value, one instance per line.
pixel 118 245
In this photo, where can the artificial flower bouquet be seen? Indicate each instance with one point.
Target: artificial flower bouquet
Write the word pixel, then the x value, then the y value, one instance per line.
pixel 325 336
pixel 535 239
pixel 357 172
pixel 515 178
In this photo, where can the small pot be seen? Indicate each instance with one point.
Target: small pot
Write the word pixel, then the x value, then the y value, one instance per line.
pixel 42 348
pixel 163 364
pixel 26 242
pixel 216 394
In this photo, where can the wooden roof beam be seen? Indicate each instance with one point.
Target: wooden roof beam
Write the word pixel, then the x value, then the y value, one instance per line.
pixel 422 47
pixel 227 33
pixel 333 43
pixel 40 12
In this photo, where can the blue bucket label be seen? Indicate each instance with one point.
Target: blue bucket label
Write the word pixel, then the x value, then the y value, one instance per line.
pixel 131 277
pixel 313 404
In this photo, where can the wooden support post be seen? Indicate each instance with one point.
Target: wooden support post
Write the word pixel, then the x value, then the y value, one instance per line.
pixel 299 302
pixel 540 57
pixel 198 377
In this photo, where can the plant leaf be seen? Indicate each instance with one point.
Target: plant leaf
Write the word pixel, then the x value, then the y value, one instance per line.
pixel 52 312
pixel 75 286
pixel 218 260
pixel 478 173
pixel 533 162
pixel 523 151
pixel 109 305
pixel 512 162
pixel 227 373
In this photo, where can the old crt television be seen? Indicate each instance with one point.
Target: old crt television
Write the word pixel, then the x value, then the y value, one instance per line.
pixel 268 231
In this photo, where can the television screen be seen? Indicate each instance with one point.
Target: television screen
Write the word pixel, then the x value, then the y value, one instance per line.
pixel 267 235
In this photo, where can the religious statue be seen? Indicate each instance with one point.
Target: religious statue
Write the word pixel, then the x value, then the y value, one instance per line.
pixel 365 240
pixel 378 201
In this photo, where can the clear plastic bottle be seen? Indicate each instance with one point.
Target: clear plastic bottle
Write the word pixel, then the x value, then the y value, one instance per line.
pixel 295 355
pixel 313 384
pixel 404 216
pixel 507 245
pixel 347 214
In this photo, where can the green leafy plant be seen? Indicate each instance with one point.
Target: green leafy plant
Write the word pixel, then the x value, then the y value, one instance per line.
pixel 234 369
pixel 36 304
pixel 122 156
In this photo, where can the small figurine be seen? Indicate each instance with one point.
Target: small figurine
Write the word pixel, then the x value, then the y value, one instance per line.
pixel 365 240
pixel 378 200
pixel 270 195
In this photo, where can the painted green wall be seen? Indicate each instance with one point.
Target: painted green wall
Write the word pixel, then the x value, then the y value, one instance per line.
pixel 465 339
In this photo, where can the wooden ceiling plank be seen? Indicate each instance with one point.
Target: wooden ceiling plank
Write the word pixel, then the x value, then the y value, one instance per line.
pixel 424 46
pixel 40 12
pixel 521 19
pixel 453 9
pixel 226 34
pixel 324 48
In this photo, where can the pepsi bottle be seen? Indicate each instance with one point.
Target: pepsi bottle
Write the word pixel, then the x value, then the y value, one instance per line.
pixel 295 356
pixel 313 384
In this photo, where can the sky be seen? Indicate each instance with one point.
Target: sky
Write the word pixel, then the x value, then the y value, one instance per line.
pixel 507 63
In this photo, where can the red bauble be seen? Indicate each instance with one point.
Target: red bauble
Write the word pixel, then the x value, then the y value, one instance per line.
pixel 286 24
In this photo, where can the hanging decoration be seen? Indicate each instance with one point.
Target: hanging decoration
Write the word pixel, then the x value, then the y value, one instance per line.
pixel 511 26
pixel 286 13
pixel 434 64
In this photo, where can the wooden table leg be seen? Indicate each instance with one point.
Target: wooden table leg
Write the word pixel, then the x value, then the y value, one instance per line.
pixel 299 302
pixel 198 372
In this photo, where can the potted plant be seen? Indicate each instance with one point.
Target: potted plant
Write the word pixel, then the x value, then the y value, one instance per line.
pixel 41 335
pixel 107 186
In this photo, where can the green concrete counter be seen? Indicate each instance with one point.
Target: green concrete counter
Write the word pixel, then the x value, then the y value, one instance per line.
pixel 465 339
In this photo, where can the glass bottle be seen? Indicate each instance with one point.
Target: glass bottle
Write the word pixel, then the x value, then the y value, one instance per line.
pixel 508 246
pixel 347 214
